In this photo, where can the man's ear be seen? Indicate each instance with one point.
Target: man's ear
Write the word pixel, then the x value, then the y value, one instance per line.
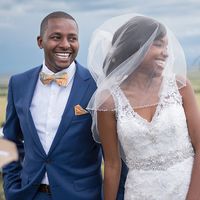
pixel 39 42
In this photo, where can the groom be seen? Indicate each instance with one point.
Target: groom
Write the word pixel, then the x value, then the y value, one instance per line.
pixel 47 120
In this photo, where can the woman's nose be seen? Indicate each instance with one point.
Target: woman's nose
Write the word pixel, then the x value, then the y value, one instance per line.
pixel 165 52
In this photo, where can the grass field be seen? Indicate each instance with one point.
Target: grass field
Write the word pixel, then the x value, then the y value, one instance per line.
pixel 195 80
pixel 3 103
pixel 1 191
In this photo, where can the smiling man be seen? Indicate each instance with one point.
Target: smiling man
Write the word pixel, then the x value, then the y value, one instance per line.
pixel 46 118
pixel 59 39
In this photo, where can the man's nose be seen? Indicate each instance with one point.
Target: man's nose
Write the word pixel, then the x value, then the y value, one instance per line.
pixel 65 43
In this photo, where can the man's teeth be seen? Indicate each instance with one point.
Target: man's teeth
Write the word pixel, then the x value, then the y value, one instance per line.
pixel 63 55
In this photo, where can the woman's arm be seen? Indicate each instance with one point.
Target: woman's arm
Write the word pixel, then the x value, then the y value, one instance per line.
pixel 193 122
pixel 112 162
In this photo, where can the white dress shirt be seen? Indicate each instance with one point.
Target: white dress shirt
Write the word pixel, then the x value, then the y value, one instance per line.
pixel 47 107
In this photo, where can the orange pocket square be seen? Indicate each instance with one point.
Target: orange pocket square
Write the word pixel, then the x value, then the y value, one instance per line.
pixel 78 110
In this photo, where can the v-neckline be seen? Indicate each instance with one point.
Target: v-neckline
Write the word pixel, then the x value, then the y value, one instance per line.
pixel 139 117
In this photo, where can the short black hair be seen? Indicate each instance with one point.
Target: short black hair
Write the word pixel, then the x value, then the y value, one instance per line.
pixel 57 14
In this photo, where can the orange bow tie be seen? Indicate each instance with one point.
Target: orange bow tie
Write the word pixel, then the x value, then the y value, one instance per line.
pixel 60 79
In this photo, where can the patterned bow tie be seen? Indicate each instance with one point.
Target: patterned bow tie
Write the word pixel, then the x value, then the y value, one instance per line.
pixel 60 79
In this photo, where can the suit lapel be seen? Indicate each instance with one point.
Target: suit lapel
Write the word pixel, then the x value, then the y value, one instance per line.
pixel 29 87
pixel 78 90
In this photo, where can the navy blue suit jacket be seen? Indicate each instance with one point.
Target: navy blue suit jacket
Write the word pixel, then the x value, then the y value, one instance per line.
pixel 73 163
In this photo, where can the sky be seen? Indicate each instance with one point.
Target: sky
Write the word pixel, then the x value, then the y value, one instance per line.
pixel 20 21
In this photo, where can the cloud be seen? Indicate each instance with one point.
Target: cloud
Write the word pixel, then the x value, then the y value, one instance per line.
pixel 20 20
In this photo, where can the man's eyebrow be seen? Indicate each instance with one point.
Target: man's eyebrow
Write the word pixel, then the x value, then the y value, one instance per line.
pixel 73 34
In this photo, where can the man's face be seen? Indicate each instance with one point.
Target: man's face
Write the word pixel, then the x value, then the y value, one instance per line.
pixel 60 43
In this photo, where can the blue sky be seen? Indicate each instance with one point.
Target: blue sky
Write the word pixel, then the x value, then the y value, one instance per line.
pixel 20 21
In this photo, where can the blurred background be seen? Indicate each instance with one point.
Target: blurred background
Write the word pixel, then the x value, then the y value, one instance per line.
pixel 20 22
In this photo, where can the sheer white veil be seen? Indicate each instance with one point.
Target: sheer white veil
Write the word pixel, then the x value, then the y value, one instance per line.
pixel 116 52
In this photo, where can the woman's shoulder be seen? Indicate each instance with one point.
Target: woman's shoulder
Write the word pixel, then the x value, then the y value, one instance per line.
pixel 186 89
pixel 105 100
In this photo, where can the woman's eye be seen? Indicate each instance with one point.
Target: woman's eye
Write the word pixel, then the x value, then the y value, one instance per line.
pixel 158 44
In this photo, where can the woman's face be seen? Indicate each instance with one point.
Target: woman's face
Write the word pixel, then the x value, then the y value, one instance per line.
pixel 156 57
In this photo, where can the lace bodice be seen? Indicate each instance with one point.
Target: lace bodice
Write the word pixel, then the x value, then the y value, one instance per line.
pixel 155 146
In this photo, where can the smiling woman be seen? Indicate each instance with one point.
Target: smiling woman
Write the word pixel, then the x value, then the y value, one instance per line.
pixel 144 110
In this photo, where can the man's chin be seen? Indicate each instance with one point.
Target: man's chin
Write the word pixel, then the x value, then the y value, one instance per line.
pixel 63 66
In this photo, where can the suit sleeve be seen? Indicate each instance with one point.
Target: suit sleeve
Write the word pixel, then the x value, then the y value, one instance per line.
pixel 12 131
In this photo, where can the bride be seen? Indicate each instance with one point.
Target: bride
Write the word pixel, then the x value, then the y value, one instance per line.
pixel 144 110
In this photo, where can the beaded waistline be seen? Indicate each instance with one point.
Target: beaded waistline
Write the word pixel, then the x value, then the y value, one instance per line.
pixel 161 161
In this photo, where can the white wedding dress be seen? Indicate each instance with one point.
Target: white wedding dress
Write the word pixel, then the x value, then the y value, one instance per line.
pixel 159 153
